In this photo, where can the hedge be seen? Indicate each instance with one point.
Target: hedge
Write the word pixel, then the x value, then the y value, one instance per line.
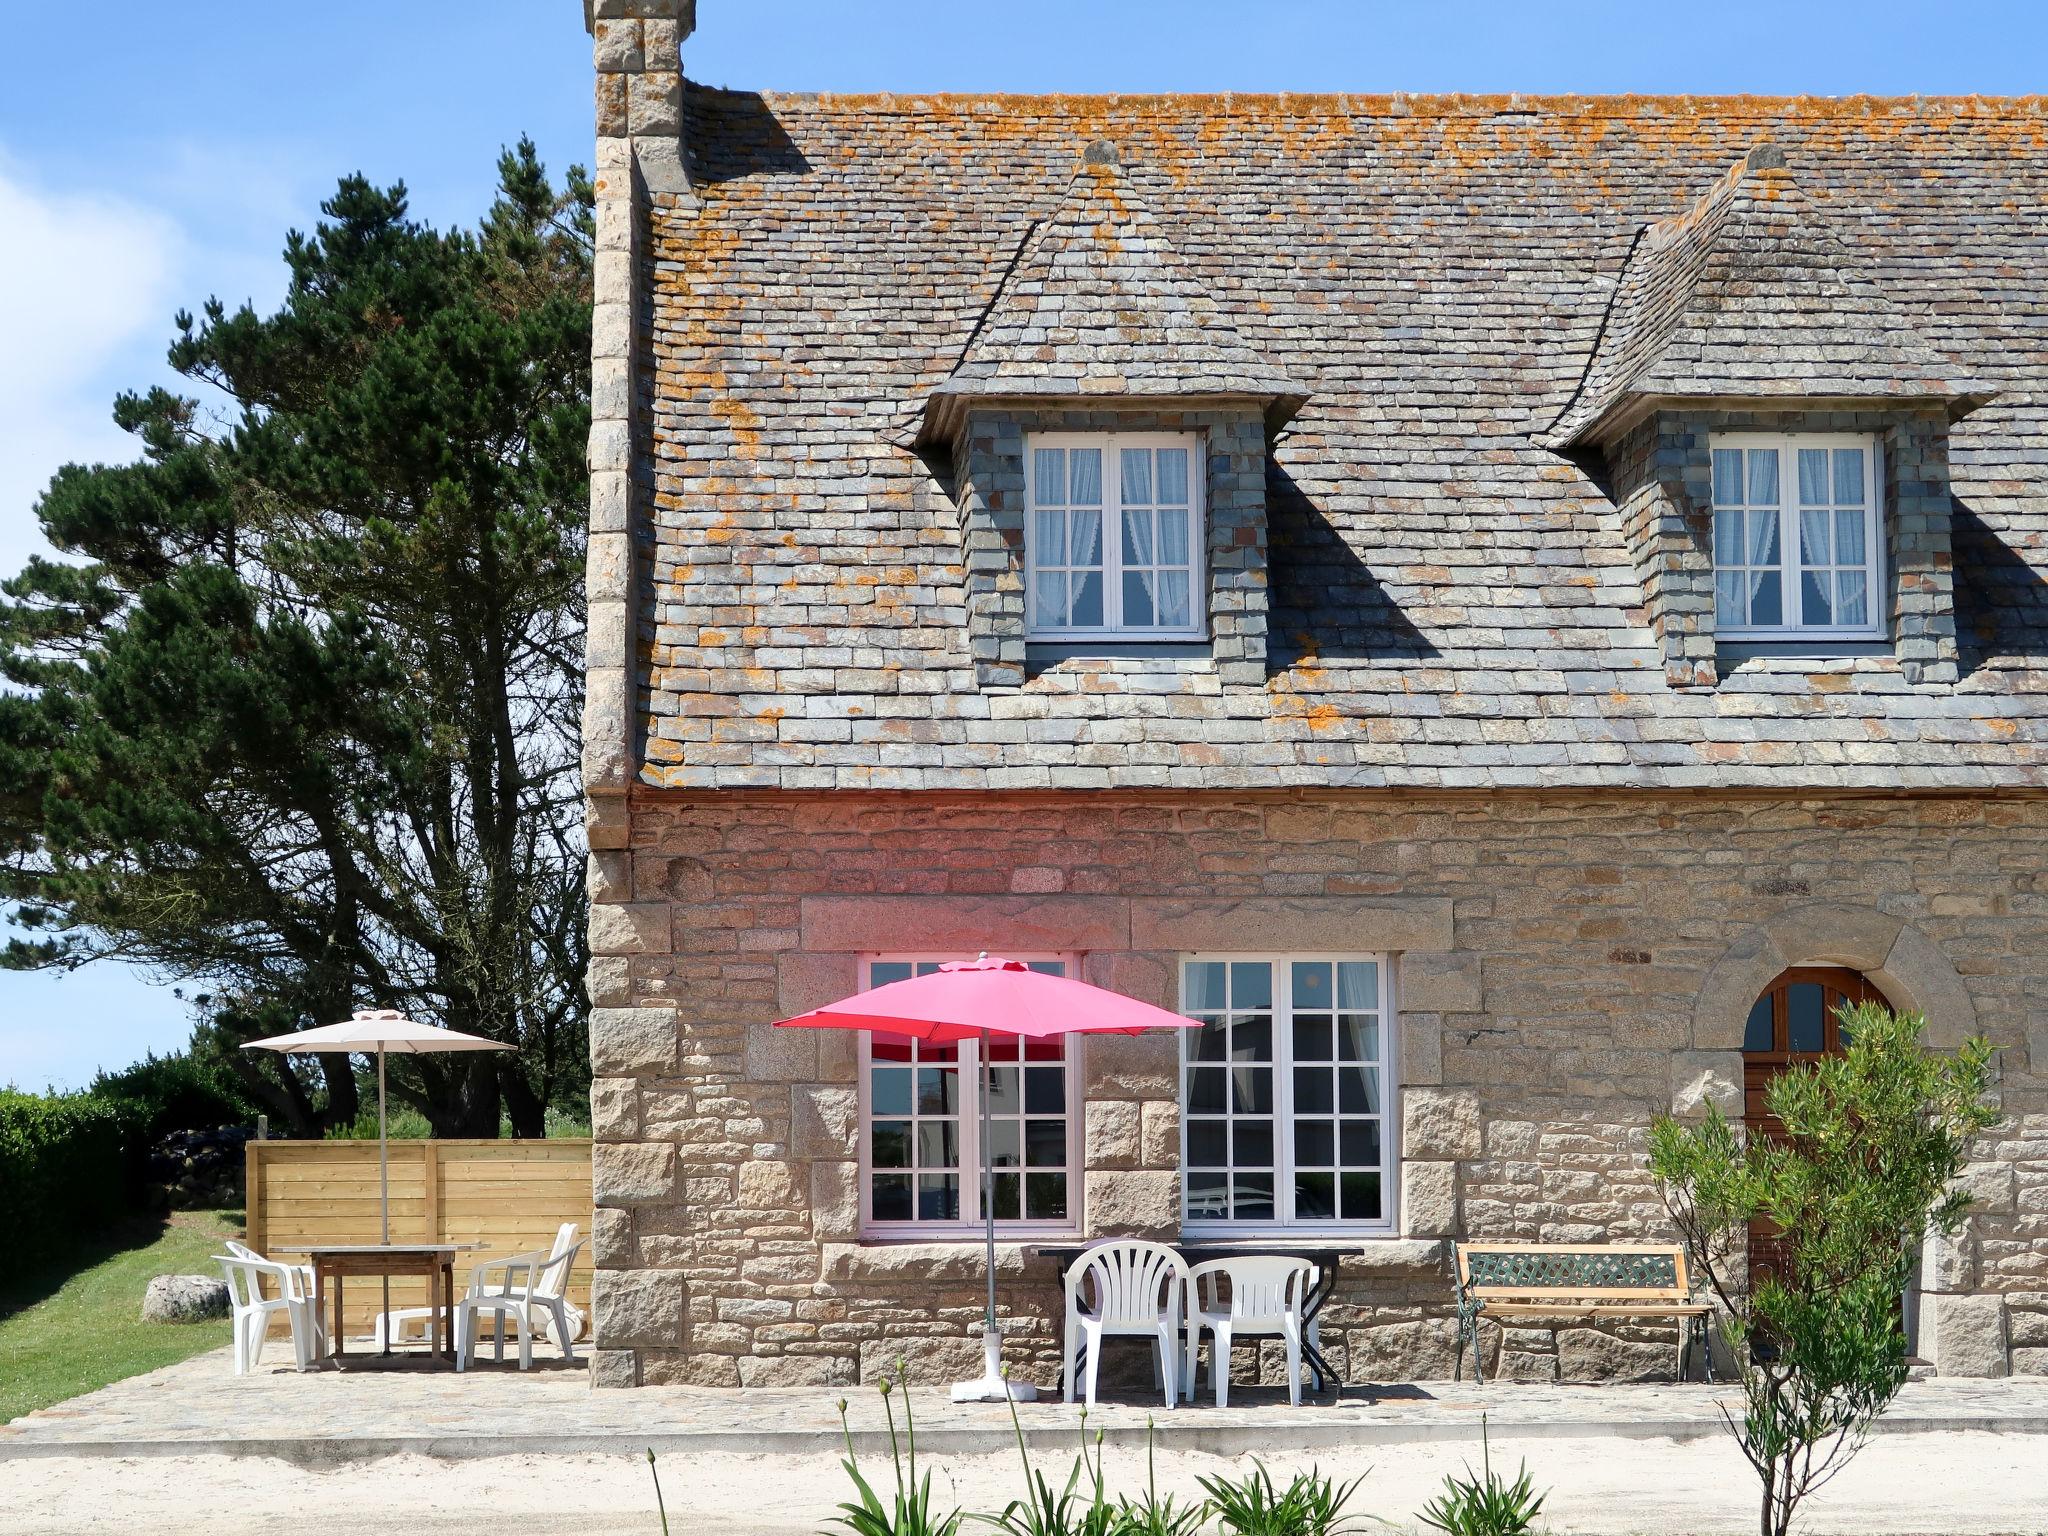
pixel 62 1173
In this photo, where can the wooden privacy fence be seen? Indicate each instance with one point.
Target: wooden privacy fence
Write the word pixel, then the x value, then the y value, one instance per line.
pixel 508 1195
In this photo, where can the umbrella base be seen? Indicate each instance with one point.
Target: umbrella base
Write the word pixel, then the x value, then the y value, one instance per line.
pixel 993 1387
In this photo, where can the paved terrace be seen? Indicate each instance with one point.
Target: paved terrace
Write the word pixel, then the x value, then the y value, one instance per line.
pixel 333 1418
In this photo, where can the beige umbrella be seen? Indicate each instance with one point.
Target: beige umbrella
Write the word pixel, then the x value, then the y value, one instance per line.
pixel 379 1030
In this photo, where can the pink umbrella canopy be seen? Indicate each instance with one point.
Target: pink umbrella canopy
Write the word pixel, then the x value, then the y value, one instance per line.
pixel 964 999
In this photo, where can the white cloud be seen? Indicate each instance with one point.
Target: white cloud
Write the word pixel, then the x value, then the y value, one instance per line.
pixel 87 286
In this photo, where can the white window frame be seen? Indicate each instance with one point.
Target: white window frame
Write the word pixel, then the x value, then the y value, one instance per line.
pixel 969 1225
pixel 1113 627
pixel 1792 587
pixel 1284 1220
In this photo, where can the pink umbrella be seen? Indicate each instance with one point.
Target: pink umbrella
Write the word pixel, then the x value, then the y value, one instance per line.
pixel 970 999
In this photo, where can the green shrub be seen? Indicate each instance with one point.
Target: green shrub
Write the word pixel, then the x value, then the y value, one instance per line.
pixel 1312 1504
pixel 1486 1505
pixel 62 1173
pixel 162 1094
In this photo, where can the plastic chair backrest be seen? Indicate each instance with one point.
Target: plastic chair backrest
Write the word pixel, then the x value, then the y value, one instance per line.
pixel 245 1286
pixel 1135 1283
pixel 554 1280
pixel 1263 1289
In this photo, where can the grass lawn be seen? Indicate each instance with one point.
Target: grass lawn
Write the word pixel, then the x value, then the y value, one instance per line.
pixel 78 1325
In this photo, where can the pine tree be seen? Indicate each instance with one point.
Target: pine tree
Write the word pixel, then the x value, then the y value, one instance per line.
pixel 297 725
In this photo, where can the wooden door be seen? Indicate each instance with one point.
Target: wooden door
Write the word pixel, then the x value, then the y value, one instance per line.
pixel 1791 1024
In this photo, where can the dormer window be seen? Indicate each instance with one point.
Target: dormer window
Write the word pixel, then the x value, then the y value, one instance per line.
pixel 1797 548
pixel 1114 538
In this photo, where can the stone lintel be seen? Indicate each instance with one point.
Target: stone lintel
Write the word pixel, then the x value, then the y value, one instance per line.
pixel 1294 924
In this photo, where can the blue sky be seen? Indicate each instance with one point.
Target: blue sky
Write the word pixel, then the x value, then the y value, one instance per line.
pixel 158 155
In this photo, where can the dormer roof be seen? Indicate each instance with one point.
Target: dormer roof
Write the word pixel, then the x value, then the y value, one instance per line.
pixel 1750 297
pixel 1097 305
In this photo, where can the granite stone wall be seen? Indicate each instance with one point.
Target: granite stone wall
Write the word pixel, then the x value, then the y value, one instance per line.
pixel 1569 967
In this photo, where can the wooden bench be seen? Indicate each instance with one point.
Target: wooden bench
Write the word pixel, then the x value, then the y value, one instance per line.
pixel 1559 1284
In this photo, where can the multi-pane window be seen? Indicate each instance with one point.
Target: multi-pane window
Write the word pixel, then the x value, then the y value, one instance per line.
pixel 1284 1117
pixel 921 1125
pixel 1796 545
pixel 1113 537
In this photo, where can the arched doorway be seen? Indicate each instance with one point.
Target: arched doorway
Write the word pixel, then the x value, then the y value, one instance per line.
pixel 1792 1022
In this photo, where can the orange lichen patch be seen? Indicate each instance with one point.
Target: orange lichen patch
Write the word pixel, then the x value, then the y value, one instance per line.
pixel 1322 717
pixel 1829 682
pixel 742 419
pixel 724 530
pixel 1997 725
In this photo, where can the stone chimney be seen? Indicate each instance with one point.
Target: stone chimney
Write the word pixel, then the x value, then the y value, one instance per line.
pixel 637 50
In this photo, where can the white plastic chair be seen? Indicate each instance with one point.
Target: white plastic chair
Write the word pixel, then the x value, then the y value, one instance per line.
pixel 400 1320
pixel 514 1290
pixel 1138 1290
pixel 250 1310
pixel 1266 1299
pixel 242 1250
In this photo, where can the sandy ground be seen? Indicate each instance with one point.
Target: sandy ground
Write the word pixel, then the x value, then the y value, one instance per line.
pixel 1972 1484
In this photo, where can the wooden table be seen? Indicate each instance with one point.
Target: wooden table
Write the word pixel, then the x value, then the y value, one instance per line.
pixel 1325 1258
pixel 333 1262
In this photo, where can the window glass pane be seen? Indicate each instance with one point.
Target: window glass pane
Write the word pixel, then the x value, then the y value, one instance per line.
pixel 938 1144
pixel 1087 601
pixel 1173 477
pixel 1138 612
pixel 1210 1042
pixel 1359 1144
pixel 1049 595
pixel 1173 536
pixel 1818 600
pixel 1137 481
pixel 1849 538
pixel 1313 1091
pixel 1806 1016
pixel 1251 1197
pixel 1312 1037
pixel 1763 477
pixel 938 1197
pixel 1045 1090
pixel 1047 1196
pixel 1202 986
pixel 1005 1095
pixel 1766 597
pixel 1851 589
pixel 1763 538
pixel 880 974
pixel 1174 612
pixel 1004 1196
pixel 1251 984
pixel 938 1090
pixel 1049 476
pixel 1315 1143
pixel 1813 477
pixel 1311 981
pixel 1758 1034
pixel 1358 985
pixel 1849 476
pixel 1137 536
pixel 1086 484
pixel 1813 537
pixel 889 1144
pixel 1084 530
pixel 1360 1197
pixel 1730 597
pixel 1728 545
pixel 1049 537
pixel 1252 1039
pixel 889 1091
pixel 1315 1196
pixel 1358 1091
pixel 1208 1146
pixel 1045 1143
pixel 890 1197
pixel 1727 477
pixel 1251 1143
pixel 1251 1090
pixel 1358 1038
pixel 1005 1143
pixel 1206 1090
pixel 1208 1197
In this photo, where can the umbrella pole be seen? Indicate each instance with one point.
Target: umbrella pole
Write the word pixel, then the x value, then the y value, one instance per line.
pixel 992 1388
pixel 383 1189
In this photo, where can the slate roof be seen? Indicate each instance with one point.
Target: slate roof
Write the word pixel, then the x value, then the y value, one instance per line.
pixel 1749 294
pixel 1097 305
pixel 1453 603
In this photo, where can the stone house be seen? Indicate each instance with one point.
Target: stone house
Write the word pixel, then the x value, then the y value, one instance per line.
pixel 1507 607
